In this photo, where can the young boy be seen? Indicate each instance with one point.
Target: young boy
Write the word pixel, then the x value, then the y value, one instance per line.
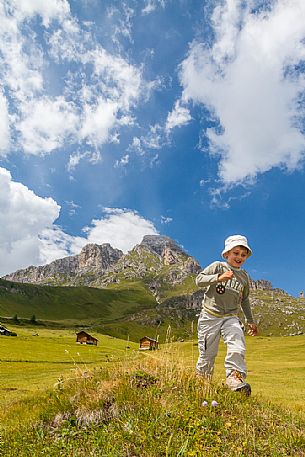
pixel 227 290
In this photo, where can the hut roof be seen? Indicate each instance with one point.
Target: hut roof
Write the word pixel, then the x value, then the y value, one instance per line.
pixel 86 334
pixel 149 339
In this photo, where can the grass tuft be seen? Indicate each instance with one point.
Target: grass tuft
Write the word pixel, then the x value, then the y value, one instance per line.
pixel 150 408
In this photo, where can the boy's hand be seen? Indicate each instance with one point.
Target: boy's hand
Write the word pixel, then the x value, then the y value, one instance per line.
pixel 224 277
pixel 253 331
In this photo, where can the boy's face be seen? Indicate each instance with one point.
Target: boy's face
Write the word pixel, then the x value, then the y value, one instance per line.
pixel 237 256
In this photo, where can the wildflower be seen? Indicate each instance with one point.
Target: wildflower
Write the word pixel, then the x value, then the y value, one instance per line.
pixel 214 403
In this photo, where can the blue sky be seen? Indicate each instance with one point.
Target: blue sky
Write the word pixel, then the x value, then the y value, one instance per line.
pixel 182 118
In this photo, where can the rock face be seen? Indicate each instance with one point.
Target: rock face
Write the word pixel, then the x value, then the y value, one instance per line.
pixel 100 265
pixel 93 258
pixel 98 257
pixel 158 244
pixel 263 284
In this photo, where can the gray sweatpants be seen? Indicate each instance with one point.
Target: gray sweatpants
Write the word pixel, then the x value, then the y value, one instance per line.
pixel 210 329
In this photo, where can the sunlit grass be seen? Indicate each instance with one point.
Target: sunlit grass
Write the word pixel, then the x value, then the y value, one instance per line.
pixel 276 367
pixel 30 363
pixel 151 407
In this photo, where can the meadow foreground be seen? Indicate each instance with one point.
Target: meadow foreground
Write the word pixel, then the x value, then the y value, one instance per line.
pixel 146 404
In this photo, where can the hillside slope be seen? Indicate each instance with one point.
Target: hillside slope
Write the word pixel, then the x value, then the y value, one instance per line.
pixel 129 309
pixel 86 304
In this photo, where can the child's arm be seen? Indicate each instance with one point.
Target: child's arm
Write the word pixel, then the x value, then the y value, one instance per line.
pixel 213 274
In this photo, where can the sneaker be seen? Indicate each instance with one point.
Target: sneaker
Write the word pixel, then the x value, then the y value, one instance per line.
pixel 236 382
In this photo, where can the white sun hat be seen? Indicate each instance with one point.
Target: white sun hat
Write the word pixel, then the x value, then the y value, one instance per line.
pixel 236 240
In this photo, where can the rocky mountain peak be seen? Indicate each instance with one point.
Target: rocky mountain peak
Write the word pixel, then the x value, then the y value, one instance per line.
pixel 93 258
pixel 98 257
pixel 158 244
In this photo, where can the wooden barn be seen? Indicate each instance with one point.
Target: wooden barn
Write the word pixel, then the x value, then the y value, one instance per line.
pixel 147 343
pixel 84 338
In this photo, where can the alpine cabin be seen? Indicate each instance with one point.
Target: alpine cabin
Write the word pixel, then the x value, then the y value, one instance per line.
pixel 147 343
pixel 84 338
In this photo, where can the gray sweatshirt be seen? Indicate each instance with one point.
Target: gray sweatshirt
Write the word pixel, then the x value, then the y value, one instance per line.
pixel 229 300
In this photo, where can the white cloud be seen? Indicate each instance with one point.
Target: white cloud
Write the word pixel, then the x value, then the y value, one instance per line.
pixel 23 215
pixel 50 10
pixel 166 220
pixel 152 5
pixel 178 117
pixel 28 235
pixel 92 102
pixel 119 80
pixel 46 124
pixel 4 126
pixel 22 57
pixel 72 207
pixel 75 159
pixel 122 228
pixel 121 21
pixel 98 121
pixel 154 139
pixel 122 162
pixel 243 80
pixel 136 146
pixel 56 244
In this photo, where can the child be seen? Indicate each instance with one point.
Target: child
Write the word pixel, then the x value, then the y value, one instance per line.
pixel 227 289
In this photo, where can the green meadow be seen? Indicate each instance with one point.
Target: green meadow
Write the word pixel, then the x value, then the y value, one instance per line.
pixel 112 400
pixel 60 398
pixel 38 357
pixel 276 368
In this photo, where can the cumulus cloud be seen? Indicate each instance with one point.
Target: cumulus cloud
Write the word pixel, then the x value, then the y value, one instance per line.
pixel 46 124
pixel 98 121
pixel 46 112
pixel 56 244
pixel 122 228
pixel 251 79
pixel 29 235
pixel 23 215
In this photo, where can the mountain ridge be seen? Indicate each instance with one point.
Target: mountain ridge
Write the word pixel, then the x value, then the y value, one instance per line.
pixel 98 265
pixel 141 292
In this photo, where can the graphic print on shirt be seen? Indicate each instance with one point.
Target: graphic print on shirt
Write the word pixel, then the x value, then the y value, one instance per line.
pixel 232 284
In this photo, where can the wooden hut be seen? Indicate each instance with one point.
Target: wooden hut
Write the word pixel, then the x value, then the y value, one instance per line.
pixel 6 332
pixel 147 343
pixel 84 338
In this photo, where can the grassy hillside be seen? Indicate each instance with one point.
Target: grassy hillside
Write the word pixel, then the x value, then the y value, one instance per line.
pixel 129 309
pixel 150 407
pixel 278 314
pixel 73 303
